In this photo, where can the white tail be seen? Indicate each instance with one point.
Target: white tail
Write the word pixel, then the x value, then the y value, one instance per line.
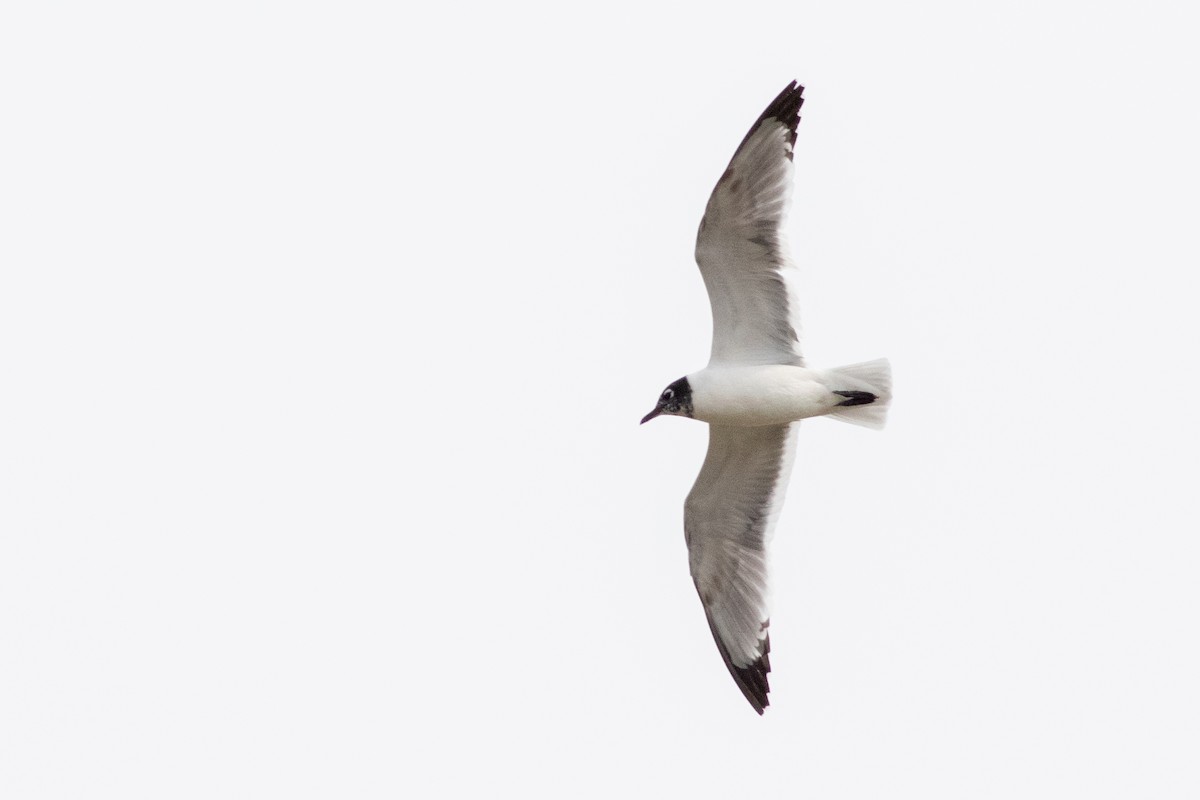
pixel 874 377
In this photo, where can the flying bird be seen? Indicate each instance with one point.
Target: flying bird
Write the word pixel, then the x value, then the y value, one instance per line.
pixel 753 392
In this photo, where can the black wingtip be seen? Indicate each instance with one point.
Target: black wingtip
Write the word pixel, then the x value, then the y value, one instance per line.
pixel 785 109
pixel 751 679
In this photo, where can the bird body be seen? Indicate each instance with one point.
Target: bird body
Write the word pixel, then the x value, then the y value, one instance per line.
pixel 771 394
pixel 753 391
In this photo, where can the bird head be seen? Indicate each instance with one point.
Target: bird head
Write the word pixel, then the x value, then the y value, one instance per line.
pixel 676 400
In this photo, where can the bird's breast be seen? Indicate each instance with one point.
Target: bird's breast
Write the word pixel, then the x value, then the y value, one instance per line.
pixel 762 395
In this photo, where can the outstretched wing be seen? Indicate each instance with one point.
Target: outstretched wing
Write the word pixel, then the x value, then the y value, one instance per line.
pixel 740 246
pixel 728 519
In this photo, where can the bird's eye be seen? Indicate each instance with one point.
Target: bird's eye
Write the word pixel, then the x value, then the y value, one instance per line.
pixel 668 394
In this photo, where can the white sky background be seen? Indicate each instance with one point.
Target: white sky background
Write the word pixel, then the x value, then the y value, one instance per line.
pixel 324 335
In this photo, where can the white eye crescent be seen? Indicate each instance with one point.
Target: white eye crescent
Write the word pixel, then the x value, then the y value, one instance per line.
pixel 668 394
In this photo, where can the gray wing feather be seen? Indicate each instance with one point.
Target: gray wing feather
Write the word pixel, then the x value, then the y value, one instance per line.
pixel 740 247
pixel 728 519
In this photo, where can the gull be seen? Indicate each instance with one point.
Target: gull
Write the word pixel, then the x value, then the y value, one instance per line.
pixel 753 392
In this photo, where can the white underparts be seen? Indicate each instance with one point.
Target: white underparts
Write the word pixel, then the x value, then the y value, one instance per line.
pixel 778 394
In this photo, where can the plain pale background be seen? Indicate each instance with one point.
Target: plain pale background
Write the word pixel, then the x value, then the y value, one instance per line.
pixel 324 334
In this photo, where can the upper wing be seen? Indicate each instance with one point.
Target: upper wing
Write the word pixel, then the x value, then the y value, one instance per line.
pixel 728 519
pixel 740 247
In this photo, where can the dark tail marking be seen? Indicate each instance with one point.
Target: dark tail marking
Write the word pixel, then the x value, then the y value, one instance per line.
pixel 856 398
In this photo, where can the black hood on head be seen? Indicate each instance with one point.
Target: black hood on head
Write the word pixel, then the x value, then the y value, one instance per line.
pixel 675 400
pixel 679 399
